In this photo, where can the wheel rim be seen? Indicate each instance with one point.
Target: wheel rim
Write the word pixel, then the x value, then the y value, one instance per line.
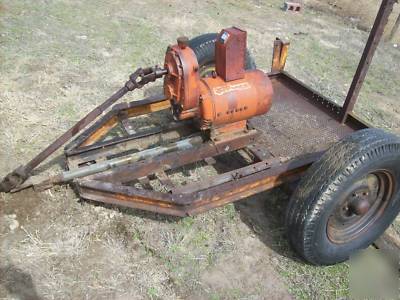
pixel 361 207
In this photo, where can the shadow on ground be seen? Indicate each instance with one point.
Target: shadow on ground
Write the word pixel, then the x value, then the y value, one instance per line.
pixel 264 214
pixel 17 283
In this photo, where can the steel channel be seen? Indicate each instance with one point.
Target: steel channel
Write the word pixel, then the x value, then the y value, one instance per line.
pixel 197 201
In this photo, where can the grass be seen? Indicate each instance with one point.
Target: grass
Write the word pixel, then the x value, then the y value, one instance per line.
pixel 360 13
pixel 304 281
pixel 61 58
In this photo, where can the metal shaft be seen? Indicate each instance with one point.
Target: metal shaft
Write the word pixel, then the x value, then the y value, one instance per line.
pixel 67 176
pixel 117 162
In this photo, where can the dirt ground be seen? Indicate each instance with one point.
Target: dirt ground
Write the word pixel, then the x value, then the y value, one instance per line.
pixel 60 58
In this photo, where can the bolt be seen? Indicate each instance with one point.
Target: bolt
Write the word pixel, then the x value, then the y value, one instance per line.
pixel 183 42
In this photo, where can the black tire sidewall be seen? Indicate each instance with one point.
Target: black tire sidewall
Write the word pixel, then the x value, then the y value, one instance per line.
pixel 204 49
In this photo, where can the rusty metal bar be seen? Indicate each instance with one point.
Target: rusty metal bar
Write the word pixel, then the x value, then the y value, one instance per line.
pixel 197 201
pixel 102 126
pixel 174 160
pixel 253 182
pixel 76 128
pixel 129 197
pixel 135 136
pixel 270 179
pixel 228 176
pixel 124 148
pixel 70 175
pixel 276 55
pixel 279 55
pixel 284 55
pixel 366 59
pixel 128 112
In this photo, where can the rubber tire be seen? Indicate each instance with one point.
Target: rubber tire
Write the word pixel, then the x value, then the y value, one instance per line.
pixel 204 48
pixel 315 197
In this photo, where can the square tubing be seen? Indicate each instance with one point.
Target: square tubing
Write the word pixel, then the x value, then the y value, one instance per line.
pixel 279 55
pixel 369 51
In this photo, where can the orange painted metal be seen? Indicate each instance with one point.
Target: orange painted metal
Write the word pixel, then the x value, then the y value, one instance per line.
pixel 230 53
pixel 230 128
pixel 228 102
pixel 229 96
pixel 181 84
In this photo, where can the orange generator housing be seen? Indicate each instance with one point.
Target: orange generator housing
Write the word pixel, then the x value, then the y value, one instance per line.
pixel 230 95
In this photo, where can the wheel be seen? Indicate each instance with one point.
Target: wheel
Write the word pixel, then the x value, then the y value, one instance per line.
pixel 346 199
pixel 204 48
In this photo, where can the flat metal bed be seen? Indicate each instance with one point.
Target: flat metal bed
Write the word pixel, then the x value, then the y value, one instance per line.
pixel 300 121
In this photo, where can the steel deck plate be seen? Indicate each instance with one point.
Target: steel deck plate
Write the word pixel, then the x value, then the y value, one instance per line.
pixel 297 125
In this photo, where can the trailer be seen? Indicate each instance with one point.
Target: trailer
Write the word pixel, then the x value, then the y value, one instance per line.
pixel 270 128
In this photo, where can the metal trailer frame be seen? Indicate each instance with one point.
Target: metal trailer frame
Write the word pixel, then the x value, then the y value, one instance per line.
pixel 277 154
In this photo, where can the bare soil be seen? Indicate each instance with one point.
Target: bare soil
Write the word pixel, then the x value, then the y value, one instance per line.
pixel 61 58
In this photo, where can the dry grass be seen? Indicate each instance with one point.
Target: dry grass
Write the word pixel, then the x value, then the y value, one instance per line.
pixel 360 13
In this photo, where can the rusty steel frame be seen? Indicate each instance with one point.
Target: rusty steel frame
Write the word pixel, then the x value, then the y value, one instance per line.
pixel 218 191
pixel 109 186
pixel 264 173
